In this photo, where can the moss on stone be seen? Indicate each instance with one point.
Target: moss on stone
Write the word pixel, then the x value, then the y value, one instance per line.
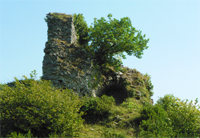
pixel 61 16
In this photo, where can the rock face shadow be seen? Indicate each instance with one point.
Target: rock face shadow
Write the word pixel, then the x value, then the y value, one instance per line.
pixel 118 92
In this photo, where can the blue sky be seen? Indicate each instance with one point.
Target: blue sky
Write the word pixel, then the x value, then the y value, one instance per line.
pixel 173 26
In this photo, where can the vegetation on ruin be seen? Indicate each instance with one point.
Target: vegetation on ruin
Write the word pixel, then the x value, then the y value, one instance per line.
pixel 107 40
pixel 55 15
pixel 34 108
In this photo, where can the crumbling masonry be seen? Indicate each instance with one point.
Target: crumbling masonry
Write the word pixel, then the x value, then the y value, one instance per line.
pixel 65 63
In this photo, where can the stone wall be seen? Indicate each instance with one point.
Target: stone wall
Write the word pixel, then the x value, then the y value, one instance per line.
pixel 65 63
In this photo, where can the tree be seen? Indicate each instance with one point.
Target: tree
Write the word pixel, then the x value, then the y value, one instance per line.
pixel 109 39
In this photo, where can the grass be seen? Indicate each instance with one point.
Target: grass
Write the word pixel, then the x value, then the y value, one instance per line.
pixel 133 118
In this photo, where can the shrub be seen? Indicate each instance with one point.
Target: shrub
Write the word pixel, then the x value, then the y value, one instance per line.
pixel 39 109
pixel 169 118
pixel 97 108
pixel 155 122
pixel 130 104
pixel 26 83
pixel 184 117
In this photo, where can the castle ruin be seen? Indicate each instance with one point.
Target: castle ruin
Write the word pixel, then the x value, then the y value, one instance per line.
pixel 65 63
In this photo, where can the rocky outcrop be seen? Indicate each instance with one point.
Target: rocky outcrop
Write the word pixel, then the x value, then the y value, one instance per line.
pixel 129 81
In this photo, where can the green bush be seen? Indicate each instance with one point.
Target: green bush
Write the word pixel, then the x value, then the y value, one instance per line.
pixel 169 118
pixel 155 122
pixel 97 109
pixel 184 117
pixel 39 109
pixel 26 82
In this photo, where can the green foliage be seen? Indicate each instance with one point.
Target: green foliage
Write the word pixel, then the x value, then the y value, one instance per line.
pixel 81 29
pixel 45 19
pixel 155 122
pixel 184 117
pixel 26 83
pixel 39 108
pixel 148 84
pixel 123 70
pixel 55 15
pixel 169 118
pixel 113 37
pixel 33 108
pixel 97 109
pixel 109 39
pixel 15 134
pixel 110 133
pixel 131 105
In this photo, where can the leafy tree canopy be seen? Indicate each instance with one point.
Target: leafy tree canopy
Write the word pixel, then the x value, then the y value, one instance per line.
pixel 107 40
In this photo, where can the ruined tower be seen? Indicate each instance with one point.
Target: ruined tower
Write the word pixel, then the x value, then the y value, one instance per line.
pixel 65 63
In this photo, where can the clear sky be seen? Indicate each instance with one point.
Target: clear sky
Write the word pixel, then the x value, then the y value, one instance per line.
pixel 173 26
